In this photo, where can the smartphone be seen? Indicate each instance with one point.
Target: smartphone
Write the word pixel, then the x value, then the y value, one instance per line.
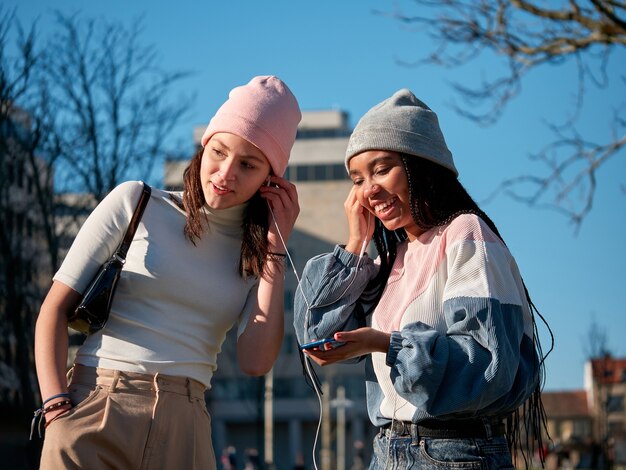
pixel 332 342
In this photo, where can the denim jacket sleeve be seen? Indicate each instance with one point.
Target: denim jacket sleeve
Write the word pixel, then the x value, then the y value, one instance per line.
pixel 328 294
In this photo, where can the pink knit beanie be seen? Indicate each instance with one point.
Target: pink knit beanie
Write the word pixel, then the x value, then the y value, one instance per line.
pixel 265 113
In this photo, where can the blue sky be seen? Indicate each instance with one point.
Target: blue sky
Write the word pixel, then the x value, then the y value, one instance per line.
pixel 339 54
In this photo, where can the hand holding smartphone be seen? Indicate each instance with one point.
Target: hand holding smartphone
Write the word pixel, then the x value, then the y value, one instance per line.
pixel 323 344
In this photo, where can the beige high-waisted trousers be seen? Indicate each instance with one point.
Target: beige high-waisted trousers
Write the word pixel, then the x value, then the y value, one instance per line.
pixel 126 420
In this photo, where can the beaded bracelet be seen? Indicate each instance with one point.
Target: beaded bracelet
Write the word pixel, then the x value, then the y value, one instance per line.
pixel 56 405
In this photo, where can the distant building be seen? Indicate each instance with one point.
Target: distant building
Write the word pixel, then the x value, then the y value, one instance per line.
pixel 569 417
pixel 588 427
pixel 605 383
pixel 569 422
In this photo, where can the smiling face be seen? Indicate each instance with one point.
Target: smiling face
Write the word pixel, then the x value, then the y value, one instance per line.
pixel 232 170
pixel 382 188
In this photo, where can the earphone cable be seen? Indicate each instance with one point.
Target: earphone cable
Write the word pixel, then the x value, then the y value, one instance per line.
pixel 306 360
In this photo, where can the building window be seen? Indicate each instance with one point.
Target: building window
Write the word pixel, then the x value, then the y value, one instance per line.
pixel 20 175
pixel 322 133
pixel 616 428
pixel 19 224
pixel 339 172
pixel 320 173
pixel 615 404
pixel 329 172
pixel 9 222
pixel 10 172
pixel 582 428
pixel 302 173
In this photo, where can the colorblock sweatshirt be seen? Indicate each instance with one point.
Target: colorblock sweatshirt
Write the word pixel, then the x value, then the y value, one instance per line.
pixel 455 307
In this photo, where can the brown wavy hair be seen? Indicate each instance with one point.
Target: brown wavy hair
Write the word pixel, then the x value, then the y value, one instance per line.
pixel 254 251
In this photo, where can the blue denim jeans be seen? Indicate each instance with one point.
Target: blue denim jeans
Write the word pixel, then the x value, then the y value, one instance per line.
pixel 435 453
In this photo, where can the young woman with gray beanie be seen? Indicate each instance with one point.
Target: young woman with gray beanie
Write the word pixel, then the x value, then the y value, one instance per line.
pixel 442 316
pixel 202 260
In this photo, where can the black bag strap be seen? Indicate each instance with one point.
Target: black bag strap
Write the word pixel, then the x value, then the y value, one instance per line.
pixel 134 223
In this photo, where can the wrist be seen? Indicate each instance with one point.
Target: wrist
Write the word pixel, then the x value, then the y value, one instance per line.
pixel 354 246
pixel 382 342
pixel 51 408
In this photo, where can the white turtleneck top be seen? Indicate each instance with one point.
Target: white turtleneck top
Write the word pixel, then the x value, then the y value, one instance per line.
pixel 175 301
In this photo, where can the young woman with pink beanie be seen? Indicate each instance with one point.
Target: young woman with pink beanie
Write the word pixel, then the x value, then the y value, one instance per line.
pixel 202 259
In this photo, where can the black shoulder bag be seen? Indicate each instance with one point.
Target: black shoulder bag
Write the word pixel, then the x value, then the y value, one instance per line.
pixel 93 311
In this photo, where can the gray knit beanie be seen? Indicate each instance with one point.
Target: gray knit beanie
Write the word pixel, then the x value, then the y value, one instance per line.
pixel 402 124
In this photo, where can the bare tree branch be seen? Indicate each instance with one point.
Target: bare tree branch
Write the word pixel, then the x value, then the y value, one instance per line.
pixel 526 35
pixel 25 231
pixel 596 341
pixel 114 107
pixel 83 113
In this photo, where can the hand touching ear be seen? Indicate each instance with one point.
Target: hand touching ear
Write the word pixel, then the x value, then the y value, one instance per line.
pixel 360 223
pixel 282 197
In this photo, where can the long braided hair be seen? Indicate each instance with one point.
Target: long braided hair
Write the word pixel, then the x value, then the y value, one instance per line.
pixel 436 199
pixel 254 250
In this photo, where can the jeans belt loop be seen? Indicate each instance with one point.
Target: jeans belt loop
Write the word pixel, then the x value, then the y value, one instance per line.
pixel 189 391
pixel 488 430
pixel 415 435
pixel 70 374
pixel 116 378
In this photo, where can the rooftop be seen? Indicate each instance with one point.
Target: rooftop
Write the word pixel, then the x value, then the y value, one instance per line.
pixel 565 404
pixel 608 370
